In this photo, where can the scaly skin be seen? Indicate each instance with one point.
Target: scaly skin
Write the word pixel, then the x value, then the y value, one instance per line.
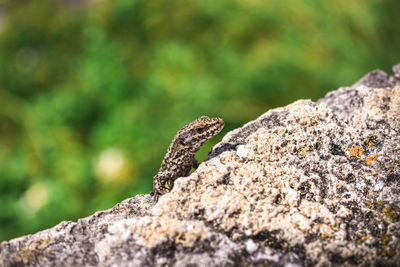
pixel 179 159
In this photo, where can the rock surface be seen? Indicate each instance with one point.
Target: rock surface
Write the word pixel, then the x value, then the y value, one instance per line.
pixel 303 185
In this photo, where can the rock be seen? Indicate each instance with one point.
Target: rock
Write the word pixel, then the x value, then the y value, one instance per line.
pixel 303 185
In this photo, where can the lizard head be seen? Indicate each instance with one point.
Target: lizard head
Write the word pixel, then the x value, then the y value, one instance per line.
pixel 199 131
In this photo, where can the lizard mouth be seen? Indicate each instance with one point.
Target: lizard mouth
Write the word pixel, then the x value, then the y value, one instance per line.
pixel 217 125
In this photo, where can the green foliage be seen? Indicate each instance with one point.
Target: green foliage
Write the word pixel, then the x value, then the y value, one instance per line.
pixel 92 93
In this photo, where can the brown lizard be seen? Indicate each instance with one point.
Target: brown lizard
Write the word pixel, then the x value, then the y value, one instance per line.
pixel 180 159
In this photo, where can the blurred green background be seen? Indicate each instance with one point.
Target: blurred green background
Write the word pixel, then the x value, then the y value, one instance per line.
pixel 92 92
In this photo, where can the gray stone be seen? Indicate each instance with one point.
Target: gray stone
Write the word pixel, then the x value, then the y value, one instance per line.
pixel 309 184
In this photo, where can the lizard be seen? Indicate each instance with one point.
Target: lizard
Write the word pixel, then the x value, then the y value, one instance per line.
pixel 179 159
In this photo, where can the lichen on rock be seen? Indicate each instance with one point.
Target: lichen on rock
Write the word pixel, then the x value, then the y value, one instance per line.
pixel 312 183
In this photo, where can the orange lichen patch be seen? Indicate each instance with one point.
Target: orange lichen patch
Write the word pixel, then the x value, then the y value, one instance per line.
pixel 34 250
pixel 324 235
pixel 314 122
pixel 387 250
pixel 370 141
pixel 304 231
pixel 356 151
pixel 391 166
pixel 303 152
pixel 389 214
pixel 385 239
pixel 364 238
pixel 334 199
pixel 371 159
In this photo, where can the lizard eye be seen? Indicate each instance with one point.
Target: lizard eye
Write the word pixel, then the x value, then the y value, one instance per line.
pixel 199 130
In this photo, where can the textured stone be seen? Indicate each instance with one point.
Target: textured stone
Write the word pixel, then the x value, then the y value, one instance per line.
pixel 303 185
